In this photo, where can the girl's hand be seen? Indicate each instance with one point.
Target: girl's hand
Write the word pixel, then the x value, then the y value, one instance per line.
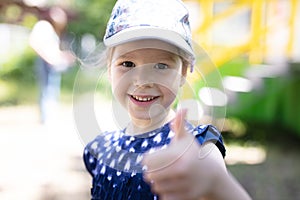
pixel 185 170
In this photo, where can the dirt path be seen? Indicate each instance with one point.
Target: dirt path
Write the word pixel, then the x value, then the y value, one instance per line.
pixel 40 162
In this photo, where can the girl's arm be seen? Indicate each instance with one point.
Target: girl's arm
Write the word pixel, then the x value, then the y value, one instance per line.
pixel 225 186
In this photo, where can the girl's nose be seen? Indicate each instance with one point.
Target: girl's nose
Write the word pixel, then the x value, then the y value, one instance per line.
pixel 143 76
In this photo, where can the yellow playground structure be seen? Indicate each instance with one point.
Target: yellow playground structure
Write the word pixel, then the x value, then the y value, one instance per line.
pixel 265 19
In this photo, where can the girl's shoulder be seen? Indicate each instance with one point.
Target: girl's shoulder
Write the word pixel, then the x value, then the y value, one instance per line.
pixel 102 140
pixel 95 148
pixel 209 133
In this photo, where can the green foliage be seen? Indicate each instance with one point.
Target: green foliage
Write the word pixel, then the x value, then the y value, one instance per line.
pixel 20 68
pixel 235 67
pixel 18 81
pixel 92 17
pixel 274 105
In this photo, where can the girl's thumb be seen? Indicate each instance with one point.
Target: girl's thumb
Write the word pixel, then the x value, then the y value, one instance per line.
pixel 178 124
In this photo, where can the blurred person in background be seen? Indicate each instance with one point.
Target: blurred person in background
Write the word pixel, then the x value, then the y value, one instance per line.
pixel 46 40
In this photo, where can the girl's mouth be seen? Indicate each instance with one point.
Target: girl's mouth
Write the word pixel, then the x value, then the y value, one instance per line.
pixel 143 98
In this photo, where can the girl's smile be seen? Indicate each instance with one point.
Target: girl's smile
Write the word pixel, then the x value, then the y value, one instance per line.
pixel 143 100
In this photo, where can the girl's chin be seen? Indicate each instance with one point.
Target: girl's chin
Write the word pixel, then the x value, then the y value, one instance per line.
pixel 150 116
pixel 143 125
pixel 154 111
pixel 140 117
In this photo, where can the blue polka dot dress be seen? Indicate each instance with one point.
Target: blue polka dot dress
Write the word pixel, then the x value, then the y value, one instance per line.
pixel 114 160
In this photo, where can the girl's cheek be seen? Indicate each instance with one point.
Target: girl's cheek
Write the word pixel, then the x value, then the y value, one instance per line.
pixel 171 81
pixel 119 93
pixel 116 77
pixel 120 84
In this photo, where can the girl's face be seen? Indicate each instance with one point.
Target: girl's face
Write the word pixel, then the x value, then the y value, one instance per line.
pixel 145 80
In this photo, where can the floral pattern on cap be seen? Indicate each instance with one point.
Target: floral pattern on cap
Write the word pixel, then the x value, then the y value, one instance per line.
pixel 164 14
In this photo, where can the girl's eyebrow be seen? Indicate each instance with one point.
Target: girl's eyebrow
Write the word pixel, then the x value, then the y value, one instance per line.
pixel 168 57
pixel 160 57
pixel 123 57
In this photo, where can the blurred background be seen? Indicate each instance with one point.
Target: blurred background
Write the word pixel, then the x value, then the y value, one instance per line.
pixel 254 44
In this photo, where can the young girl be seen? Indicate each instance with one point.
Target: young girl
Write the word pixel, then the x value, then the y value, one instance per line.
pixel 159 155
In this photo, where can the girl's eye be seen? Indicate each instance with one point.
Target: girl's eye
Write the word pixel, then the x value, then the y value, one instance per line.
pixel 161 66
pixel 128 64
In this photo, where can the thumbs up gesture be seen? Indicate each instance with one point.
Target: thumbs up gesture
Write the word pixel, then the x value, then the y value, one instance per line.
pixel 185 170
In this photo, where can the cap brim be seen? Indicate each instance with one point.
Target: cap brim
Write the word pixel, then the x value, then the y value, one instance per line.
pixel 138 33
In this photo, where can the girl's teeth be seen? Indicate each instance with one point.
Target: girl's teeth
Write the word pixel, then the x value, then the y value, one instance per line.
pixel 143 98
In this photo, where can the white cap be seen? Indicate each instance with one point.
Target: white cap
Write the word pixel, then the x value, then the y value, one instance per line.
pixel 166 20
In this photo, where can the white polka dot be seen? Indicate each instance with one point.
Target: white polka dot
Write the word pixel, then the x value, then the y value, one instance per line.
pixel 132 150
pixel 121 157
pixel 118 173
pixel 100 155
pixel 171 134
pixel 107 144
pixel 91 160
pixel 109 177
pixel 127 165
pixel 118 148
pixel 103 169
pixel 112 164
pixel 151 134
pixel 116 143
pixel 133 174
pixel 94 145
pixel 117 135
pixel 139 158
pixel 139 187
pixel 127 142
pixel 203 126
pixel 145 143
pixel 157 138
pixel 164 147
pixel 108 155
pixel 144 168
